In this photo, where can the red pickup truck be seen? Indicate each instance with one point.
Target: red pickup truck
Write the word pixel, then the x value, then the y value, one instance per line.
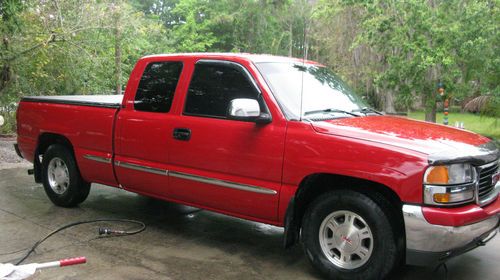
pixel 276 140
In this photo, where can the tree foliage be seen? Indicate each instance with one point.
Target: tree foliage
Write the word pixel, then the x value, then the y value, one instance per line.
pixel 411 45
pixel 393 52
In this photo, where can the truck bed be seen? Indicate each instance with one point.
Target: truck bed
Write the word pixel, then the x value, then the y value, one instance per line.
pixel 84 121
pixel 106 101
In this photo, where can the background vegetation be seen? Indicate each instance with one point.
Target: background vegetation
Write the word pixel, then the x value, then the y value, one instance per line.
pixel 393 52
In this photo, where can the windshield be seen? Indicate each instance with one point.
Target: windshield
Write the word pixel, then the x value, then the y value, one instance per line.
pixel 323 91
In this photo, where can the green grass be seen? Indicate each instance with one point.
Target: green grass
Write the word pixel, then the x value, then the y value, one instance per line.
pixel 483 125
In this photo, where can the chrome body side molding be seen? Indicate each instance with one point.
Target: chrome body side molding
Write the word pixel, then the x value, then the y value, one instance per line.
pixel 196 178
pixel 98 158
pixel 222 183
pixel 142 168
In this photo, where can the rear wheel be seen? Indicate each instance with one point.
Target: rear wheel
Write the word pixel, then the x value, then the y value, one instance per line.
pixel 61 178
pixel 348 235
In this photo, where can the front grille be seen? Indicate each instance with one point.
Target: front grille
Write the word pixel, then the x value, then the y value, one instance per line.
pixel 485 186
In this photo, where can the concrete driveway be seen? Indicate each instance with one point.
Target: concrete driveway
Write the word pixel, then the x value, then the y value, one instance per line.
pixel 179 243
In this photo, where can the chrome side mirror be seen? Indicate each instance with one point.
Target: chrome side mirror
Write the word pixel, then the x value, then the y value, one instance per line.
pixel 246 109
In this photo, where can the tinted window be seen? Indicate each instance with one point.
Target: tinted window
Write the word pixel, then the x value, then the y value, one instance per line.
pixel 213 86
pixel 157 86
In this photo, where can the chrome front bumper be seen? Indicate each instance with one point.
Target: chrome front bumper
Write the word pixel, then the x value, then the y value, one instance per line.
pixel 427 243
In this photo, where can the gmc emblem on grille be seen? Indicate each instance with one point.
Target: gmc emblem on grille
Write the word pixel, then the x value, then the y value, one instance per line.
pixel 494 178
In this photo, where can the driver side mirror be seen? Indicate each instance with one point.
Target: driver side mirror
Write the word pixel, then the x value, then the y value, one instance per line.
pixel 246 109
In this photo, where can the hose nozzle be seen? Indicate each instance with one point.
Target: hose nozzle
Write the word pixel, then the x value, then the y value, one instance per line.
pixel 107 231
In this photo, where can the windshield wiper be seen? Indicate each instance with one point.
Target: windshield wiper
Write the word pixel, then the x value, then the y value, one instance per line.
pixel 330 110
pixel 366 110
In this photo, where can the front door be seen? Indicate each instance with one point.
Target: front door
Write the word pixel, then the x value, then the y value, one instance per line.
pixel 227 165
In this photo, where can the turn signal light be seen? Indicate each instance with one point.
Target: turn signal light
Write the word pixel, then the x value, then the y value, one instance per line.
pixel 441 197
pixel 437 175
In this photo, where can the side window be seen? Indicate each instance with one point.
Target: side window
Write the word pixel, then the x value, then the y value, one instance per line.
pixel 213 86
pixel 157 86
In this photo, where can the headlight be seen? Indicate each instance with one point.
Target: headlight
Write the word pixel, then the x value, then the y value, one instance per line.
pixel 449 174
pixel 449 184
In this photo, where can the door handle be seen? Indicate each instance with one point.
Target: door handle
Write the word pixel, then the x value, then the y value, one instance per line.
pixel 183 134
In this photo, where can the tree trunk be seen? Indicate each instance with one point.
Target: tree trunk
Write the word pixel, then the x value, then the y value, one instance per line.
pixel 118 65
pixel 290 42
pixel 430 102
pixel 389 101
pixel 430 108
pixel 306 43
pixel 5 76
pixel 430 114
pixel 118 52
pixel 5 73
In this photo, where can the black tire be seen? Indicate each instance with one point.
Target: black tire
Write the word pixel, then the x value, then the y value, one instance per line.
pixel 77 190
pixel 385 254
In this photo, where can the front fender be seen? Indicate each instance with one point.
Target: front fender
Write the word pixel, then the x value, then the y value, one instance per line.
pixel 308 152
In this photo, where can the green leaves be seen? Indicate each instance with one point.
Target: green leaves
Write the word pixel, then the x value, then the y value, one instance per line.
pixel 389 50
pixel 415 43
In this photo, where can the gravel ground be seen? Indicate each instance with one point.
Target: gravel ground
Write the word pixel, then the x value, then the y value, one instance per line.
pixel 8 156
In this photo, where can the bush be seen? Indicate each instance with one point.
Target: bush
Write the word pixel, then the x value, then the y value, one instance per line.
pixel 9 127
pixel 492 108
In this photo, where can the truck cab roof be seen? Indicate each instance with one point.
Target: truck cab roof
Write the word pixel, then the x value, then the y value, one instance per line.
pixel 255 58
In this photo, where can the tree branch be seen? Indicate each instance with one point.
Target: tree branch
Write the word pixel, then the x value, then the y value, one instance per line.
pixel 51 39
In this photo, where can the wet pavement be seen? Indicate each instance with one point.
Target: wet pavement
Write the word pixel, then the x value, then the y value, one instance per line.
pixel 179 243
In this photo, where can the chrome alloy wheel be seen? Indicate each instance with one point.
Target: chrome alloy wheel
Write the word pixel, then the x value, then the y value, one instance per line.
pixel 58 175
pixel 346 239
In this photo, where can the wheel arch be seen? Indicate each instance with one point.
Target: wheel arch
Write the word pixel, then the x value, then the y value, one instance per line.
pixel 45 140
pixel 316 184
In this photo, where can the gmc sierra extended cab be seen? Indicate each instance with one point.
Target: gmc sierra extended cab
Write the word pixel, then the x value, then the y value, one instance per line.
pixel 276 140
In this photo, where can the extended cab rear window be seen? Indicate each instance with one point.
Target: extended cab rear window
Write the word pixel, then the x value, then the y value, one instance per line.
pixel 214 85
pixel 157 86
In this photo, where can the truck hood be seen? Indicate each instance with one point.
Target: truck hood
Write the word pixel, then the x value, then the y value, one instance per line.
pixel 442 143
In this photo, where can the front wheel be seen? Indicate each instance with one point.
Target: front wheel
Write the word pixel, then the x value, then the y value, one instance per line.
pixel 61 178
pixel 348 235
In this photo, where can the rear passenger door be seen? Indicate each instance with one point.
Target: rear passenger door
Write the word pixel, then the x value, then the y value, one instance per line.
pixel 143 130
pixel 223 164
